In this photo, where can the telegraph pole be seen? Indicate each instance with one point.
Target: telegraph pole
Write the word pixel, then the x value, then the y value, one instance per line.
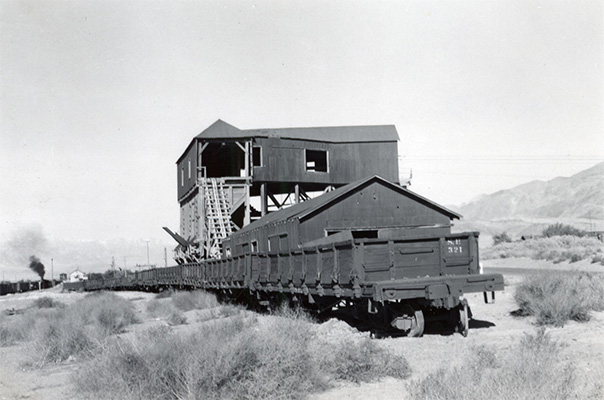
pixel 147 253
pixel 52 271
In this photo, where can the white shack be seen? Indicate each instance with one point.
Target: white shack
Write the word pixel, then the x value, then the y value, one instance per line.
pixel 77 276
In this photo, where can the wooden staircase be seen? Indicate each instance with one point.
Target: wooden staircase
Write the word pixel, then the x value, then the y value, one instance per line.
pixel 217 215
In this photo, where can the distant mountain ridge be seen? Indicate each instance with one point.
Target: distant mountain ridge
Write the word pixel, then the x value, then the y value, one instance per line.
pixel 577 196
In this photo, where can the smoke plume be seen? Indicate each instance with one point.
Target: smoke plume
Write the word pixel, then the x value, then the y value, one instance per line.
pixel 36 266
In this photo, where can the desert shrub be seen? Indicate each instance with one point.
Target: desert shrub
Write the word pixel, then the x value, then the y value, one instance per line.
pixel 58 332
pixel 13 329
pixel 363 361
pixel 532 369
pixel 194 300
pixel 79 329
pixel 160 308
pixel 556 249
pixel 58 336
pixel 559 229
pixel 598 258
pixel 47 302
pixel 232 358
pixel 109 312
pixel 556 297
pixel 501 238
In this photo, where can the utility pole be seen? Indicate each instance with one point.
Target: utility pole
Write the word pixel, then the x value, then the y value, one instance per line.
pixel 52 271
pixel 165 257
pixel 147 252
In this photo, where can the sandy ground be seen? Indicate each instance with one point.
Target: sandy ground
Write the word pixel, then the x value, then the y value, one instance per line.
pixel 493 326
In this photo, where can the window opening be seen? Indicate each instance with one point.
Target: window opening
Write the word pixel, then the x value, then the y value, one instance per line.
pixel 254 246
pixel 316 160
pixel 182 176
pixel 189 169
pixel 257 156
pixel 222 159
pixel 365 234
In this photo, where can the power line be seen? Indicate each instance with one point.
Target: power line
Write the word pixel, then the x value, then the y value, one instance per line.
pixel 503 158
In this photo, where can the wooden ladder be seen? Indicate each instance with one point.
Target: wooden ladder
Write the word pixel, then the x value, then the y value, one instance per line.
pixel 218 214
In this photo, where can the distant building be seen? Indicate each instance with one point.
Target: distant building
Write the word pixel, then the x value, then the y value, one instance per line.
pixel 77 276
pixel 63 277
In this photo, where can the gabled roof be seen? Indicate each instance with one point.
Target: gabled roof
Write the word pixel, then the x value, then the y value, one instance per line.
pixel 335 134
pixel 309 207
pixel 221 130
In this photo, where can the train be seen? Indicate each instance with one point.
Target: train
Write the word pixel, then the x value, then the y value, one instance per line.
pixel 371 252
pixel 24 286
pixel 317 217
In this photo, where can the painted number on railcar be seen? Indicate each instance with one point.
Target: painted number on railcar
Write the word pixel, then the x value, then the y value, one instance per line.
pixel 454 246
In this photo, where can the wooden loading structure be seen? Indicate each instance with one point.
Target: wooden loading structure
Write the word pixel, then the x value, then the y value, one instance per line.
pixel 229 177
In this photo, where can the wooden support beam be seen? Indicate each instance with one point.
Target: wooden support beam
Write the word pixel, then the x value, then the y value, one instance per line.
pixel 274 200
pixel 241 146
pixel 247 159
pixel 263 200
pixel 247 218
pixel 303 194
pixel 286 198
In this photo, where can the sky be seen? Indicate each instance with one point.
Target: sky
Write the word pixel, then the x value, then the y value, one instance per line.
pixel 98 99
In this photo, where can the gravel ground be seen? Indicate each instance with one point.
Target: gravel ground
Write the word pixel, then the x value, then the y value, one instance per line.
pixel 493 326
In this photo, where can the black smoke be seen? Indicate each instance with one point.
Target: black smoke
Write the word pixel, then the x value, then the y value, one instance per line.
pixel 36 266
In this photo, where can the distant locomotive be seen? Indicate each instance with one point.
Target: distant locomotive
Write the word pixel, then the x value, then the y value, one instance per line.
pixel 366 248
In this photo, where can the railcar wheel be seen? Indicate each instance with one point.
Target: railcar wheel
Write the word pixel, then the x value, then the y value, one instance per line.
pixel 464 324
pixel 411 321
pixel 417 324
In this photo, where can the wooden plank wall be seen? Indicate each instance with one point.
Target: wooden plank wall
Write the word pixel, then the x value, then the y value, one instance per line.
pixel 283 160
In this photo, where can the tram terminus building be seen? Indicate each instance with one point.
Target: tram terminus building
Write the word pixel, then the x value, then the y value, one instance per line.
pixel 229 177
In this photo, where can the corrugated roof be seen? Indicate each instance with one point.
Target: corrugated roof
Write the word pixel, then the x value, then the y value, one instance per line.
pixel 335 134
pixel 309 207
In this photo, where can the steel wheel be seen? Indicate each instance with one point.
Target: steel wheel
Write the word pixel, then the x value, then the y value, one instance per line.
pixel 464 324
pixel 409 320
pixel 418 324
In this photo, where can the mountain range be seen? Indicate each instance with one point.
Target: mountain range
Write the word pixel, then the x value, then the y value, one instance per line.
pixel 580 196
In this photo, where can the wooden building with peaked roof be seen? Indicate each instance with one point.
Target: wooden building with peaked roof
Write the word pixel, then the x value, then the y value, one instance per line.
pixel 229 177
pixel 371 208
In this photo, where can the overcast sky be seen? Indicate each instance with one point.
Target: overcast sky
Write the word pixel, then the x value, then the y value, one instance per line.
pixel 98 99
